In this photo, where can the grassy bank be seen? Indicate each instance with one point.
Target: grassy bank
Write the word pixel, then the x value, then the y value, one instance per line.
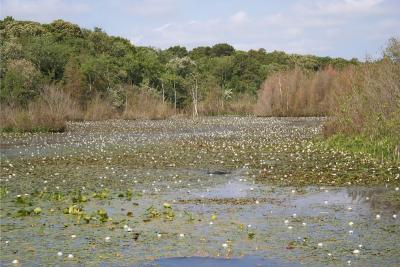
pixel 384 149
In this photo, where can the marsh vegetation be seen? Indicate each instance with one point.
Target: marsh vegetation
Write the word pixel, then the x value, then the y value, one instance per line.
pixel 109 192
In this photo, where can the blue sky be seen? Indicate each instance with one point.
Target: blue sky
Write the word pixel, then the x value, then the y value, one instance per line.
pixel 345 28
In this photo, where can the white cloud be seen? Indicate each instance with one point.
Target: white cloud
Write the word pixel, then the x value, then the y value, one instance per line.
pixel 163 27
pixel 239 17
pixel 339 7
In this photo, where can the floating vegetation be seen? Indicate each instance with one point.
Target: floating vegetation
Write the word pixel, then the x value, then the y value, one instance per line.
pixel 103 216
pixel 109 193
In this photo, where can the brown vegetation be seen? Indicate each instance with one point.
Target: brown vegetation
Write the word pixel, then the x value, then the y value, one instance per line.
pixel 47 113
pixel 99 109
pixel 366 100
pixel 218 102
pixel 295 93
pixel 143 104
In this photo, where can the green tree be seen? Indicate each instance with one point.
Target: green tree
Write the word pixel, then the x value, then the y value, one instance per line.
pixel 21 82
pixel 220 50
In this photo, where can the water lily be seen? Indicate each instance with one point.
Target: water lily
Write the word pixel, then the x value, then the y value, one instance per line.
pixel 356 251
pixel 70 256
pixel 15 262
pixel 37 210
pixel 59 253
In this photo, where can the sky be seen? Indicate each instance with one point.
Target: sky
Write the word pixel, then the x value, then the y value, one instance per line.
pixel 336 28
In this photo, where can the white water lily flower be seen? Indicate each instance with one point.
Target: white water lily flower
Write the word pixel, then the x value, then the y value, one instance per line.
pixel 356 251
pixel 351 223
pixel 378 216
pixel 181 235
pixel 320 245
pixel 286 221
pixel 107 238
pixel 394 216
pixel 59 253
pixel 73 236
pixel 15 261
pixel 70 256
pixel 158 235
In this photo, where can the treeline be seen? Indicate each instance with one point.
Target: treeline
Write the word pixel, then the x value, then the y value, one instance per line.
pixel 89 65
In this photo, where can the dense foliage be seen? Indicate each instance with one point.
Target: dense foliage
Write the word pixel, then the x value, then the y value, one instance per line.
pixel 87 63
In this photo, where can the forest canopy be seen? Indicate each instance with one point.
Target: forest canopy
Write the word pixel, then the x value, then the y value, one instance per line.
pixel 87 63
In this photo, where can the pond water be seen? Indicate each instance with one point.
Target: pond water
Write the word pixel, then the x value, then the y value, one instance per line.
pixel 209 192
pixel 219 262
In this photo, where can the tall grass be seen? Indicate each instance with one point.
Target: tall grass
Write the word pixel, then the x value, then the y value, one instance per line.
pixel 362 102
pixel 99 108
pixel 216 103
pixel 48 112
pixel 144 104
pixel 365 103
pixel 295 93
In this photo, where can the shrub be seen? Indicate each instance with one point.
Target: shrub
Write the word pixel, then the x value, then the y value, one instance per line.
pixel 145 104
pixel 99 109
pixel 48 112
pixel 295 93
